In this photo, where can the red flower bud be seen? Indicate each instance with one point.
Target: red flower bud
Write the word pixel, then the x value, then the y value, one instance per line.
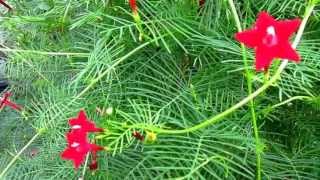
pixel 138 136
pixel 133 5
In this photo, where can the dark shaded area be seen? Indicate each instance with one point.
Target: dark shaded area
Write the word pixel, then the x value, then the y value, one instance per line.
pixel 3 86
pixel 3 83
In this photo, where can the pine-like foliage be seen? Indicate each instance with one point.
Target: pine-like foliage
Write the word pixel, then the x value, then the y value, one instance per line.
pixel 64 55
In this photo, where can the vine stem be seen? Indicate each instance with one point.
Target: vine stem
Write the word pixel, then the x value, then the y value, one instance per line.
pixel 219 117
pixel 251 102
pixel 45 53
pixel 291 99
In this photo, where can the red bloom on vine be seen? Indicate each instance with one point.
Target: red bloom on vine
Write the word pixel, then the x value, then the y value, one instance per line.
pixel 133 5
pixel 5 101
pixel 83 124
pixel 5 4
pixel 78 147
pixel 78 143
pixel 270 38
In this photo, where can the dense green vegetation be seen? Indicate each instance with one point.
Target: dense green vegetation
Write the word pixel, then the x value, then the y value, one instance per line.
pixel 67 55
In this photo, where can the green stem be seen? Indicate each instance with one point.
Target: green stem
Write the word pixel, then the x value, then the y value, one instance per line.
pixel 85 166
pixel 18 155
pixel 137 19
pixel 249 84
pixel 45 53
pixel 291 99
pixel 139 26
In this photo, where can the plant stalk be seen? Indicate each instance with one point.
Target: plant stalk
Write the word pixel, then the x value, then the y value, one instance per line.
pixel 251 102
pixel 18 155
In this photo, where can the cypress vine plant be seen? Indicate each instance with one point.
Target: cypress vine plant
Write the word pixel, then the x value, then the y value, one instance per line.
pixel 161 89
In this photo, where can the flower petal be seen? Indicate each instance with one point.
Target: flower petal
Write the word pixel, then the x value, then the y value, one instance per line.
pixel 285 51
pixel 81 123
pixel 264 20
pixel 82 115
pixel 249 37
pixel 70 154
pixel 263 58
pixel 95 148
pixel 287 27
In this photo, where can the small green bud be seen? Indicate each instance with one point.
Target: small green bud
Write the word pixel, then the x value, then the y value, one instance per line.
pixel 109 111
pixel 41 130
pixel 151 137
pixel 100 136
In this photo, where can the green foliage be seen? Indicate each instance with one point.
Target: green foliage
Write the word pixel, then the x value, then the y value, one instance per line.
pixel 191 70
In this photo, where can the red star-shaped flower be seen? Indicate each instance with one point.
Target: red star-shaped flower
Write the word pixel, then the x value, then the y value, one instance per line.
pixel 270 38
pixel 5 4
pixel 78 147
pixel 5 101
pixel 81 123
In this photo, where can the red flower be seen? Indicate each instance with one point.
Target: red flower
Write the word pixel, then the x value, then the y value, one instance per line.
pixel 78 147
pixel 138 135
pixel 5 4
pixel 133 5
pixel 83 124
pixel 6 102
pixel 78 143
pixel 270 38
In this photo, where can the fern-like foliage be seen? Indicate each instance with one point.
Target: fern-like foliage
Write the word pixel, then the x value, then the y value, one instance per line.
pixel 68 55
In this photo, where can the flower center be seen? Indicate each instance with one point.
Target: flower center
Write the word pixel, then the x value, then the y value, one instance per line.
pixel 75 144
pixel 76 127
pixel 270 39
